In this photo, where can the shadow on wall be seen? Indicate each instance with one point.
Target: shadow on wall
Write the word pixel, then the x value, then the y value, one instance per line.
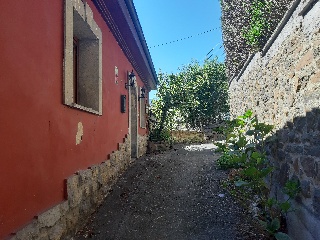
pixel 296 155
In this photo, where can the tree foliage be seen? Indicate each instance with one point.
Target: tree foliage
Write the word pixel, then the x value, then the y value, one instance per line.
pixel 194 97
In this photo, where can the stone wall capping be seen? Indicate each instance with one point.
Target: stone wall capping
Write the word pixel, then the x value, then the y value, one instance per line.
pixel 30 231
pixel 306 8
pixel 280 27
pixel 236 78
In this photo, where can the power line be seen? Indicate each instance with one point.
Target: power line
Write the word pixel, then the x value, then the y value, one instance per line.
pixel 217 49
pixel 213 49
pixel 185 38
pixel 221 45
pixel 222 54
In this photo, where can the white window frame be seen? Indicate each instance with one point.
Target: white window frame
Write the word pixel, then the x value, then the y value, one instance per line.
pixel 79 22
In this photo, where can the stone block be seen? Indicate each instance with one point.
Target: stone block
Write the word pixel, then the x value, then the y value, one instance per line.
pixel 300 124
pixel 86 190
pixel 72 218
pixel 283 174
pixel 290 126
pixel 316 201
pixel 314 139
pixel 293 137
pixel 302 224
pixel 315 78
pixel 94 187
pixel 64 208
pixel 58 230
pixel 316 52
pixel 84 176
pixel 85 205
pixel 50 217
pixel 43 235
pixel 295 149
pixel 308 166
pixel 311 122
pixel 305 188
pixel 318 171
pixel 305 60
pixel 95 169
pixel 281 155
pixel 73 193
pixel 296 166
pixel 318 63
pixel 312 151
pixel 31 231
pixel 104 173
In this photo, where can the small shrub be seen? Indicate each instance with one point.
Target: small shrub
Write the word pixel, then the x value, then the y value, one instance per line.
pixel 259 25
pixel 227 161
pixel 244 150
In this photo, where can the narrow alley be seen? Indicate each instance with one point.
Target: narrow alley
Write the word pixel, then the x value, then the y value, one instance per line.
pixel 172 195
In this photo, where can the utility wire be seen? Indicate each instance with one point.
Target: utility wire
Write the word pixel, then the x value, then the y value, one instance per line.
pixel 222 54
pixel 217 49
pixel 208 57
pixel 213 48
pixel 185 38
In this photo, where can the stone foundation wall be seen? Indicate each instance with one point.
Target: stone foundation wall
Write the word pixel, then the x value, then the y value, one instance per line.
pixel 142 145
pixel 282 86
pixel 85 190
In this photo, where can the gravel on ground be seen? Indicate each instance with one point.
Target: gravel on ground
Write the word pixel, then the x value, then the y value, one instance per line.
pixel 175 194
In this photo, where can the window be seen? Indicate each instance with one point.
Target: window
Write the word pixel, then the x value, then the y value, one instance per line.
pixel 82 59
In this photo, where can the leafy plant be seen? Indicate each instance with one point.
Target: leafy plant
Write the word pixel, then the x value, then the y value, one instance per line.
pixel 244 150
pixel 227 161
pixel 258 25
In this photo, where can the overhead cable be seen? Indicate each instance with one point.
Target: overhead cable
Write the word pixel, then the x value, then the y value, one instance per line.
pixel 208 57
pixel 185 38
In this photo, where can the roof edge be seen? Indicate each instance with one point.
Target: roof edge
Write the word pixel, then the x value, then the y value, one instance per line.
pixel 122 19
pixel 136 22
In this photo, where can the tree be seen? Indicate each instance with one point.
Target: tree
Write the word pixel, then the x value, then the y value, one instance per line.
pixel 193 98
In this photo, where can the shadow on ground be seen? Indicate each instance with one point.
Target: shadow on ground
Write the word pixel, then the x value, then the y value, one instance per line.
pixel 173 195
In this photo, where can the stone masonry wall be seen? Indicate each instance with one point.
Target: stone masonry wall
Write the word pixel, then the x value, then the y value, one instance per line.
pixel 85 190
pixel 282 86
pixel 142 145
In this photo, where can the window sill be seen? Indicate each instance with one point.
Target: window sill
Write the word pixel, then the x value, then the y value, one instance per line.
pixel 86 109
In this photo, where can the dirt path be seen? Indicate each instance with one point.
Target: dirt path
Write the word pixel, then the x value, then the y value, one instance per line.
pixel 173 195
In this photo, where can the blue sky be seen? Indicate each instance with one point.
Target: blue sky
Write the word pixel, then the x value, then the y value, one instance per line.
pixel 164 21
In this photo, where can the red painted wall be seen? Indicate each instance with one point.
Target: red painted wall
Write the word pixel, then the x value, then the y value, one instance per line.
pixel 38 132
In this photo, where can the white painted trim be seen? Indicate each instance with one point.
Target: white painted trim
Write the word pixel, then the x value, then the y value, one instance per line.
pixel 130 115
pixel 85 18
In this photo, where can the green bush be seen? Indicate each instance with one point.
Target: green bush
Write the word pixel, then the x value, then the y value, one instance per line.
pixel 259 25
pixel 244 149
pixel 227 161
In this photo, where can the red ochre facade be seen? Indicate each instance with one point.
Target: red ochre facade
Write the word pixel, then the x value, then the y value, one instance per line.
pixel 38 132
